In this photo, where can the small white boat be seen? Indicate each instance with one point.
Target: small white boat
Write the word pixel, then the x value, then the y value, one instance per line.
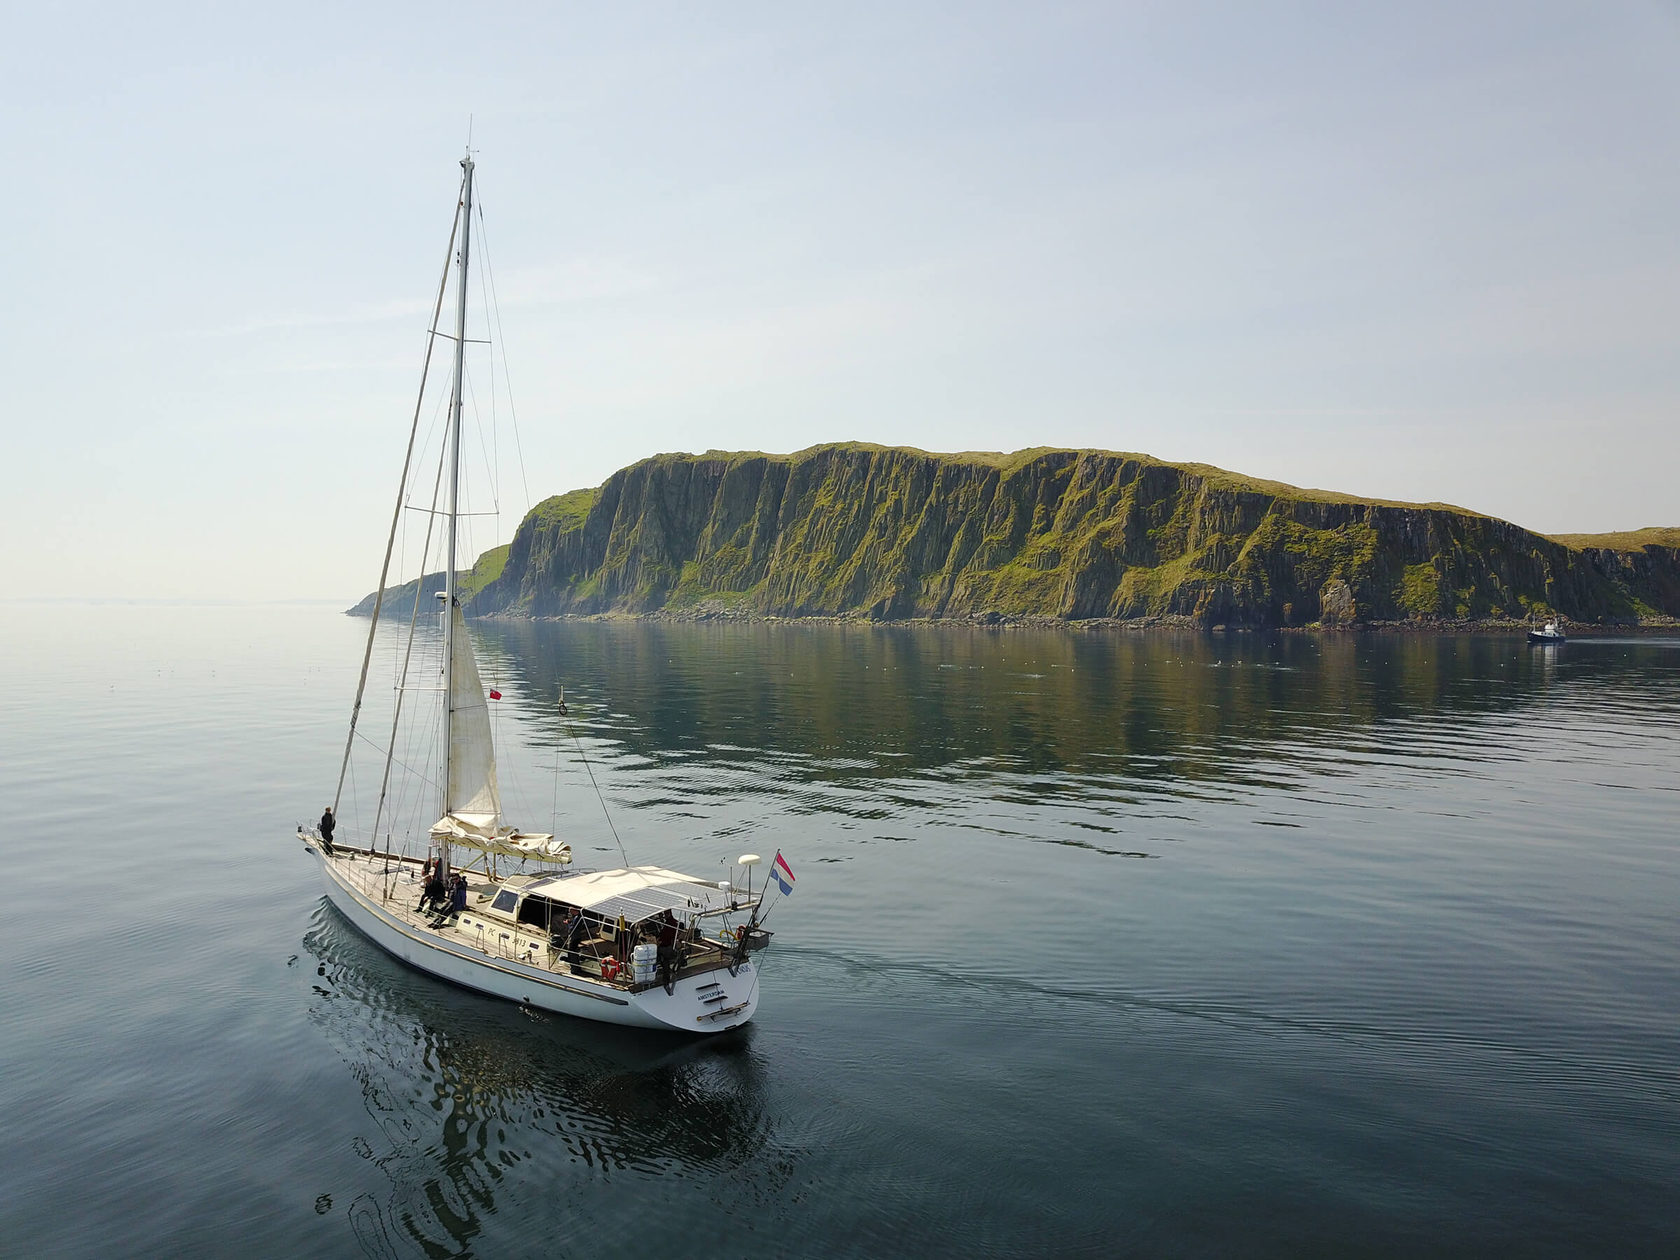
pixel 641 945
pixel 1551 632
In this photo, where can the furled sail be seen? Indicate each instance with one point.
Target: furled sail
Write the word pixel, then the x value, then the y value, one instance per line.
pixel 474 801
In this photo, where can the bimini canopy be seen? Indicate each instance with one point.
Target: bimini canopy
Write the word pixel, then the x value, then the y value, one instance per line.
pixel 635 894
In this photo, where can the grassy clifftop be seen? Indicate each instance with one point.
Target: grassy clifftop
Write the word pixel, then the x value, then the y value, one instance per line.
pixel 1627 540
pixel 895 533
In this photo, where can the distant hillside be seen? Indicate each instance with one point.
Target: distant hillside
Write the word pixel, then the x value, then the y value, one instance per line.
pixel 892 533
pixel 399 600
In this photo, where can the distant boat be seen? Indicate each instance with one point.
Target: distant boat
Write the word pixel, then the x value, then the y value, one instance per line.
pixel 639 945
pixel 1551 632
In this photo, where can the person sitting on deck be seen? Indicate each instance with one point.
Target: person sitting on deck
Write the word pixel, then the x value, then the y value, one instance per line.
pixel 434 893
pixel 457 893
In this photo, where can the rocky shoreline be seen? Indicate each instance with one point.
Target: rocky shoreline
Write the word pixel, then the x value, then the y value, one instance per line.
pixel 702 615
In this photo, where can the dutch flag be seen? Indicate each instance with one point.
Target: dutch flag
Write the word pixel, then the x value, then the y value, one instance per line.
pixel 782 873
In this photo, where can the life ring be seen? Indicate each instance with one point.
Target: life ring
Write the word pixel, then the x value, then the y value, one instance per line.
pixel 610 969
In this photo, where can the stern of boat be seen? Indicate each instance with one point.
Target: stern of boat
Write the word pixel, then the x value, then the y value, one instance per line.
pixel 713 1001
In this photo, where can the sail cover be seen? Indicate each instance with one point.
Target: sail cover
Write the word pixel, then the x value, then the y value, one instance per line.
pixel 474 799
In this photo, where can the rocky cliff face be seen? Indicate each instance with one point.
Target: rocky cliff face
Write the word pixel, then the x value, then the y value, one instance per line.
pixel 893 534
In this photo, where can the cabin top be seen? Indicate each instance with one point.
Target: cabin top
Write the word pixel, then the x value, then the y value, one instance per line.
pixel 641 892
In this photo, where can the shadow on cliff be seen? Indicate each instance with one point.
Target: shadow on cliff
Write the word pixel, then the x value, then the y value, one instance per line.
pixel 897 534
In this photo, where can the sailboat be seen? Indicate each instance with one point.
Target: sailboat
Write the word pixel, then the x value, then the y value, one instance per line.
pixel 639 945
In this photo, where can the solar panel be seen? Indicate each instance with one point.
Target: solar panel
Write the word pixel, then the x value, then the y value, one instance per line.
pixel 643 904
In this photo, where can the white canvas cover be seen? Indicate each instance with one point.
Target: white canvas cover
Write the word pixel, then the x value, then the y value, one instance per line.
pixel 504 840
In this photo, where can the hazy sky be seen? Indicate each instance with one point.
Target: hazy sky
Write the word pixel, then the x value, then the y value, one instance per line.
pixel 1414 251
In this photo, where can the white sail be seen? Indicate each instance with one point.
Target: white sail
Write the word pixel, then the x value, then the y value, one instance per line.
pixel 474 801
pixel 474 816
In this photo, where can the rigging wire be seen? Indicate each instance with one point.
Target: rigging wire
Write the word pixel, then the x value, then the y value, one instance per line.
pixel 396 512
pixel 495 500
pixel 492 456
pixel 355 801
pixel 478 424
pixel 488 271
pixel 408 649
pixel 391 801
pixel 401 764
pixel 495 428
pixel 554 805
pixel 599 795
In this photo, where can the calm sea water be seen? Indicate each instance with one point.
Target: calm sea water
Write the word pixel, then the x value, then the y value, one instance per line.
pixel 1101 944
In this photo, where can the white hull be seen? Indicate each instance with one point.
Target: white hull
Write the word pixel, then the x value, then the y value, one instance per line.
pixel 464 964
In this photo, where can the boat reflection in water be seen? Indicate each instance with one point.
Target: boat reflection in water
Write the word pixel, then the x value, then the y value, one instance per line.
pixel 485 1107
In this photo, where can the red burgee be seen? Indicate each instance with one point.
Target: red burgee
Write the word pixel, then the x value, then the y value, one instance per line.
pixel 495 695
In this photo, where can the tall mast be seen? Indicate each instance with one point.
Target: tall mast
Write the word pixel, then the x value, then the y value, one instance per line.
pixel 455 489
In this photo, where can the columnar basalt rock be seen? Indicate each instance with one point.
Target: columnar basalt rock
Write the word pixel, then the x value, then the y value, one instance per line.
pixel 891 533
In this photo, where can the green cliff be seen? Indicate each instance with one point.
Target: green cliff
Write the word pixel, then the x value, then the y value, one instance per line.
pixel 892 534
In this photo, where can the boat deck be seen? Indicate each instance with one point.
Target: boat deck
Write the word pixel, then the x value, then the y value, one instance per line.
pixel 394 884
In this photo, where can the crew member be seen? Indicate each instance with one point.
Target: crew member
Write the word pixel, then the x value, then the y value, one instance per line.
pixel 575 928
pixel 434 893
pixel 668 961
